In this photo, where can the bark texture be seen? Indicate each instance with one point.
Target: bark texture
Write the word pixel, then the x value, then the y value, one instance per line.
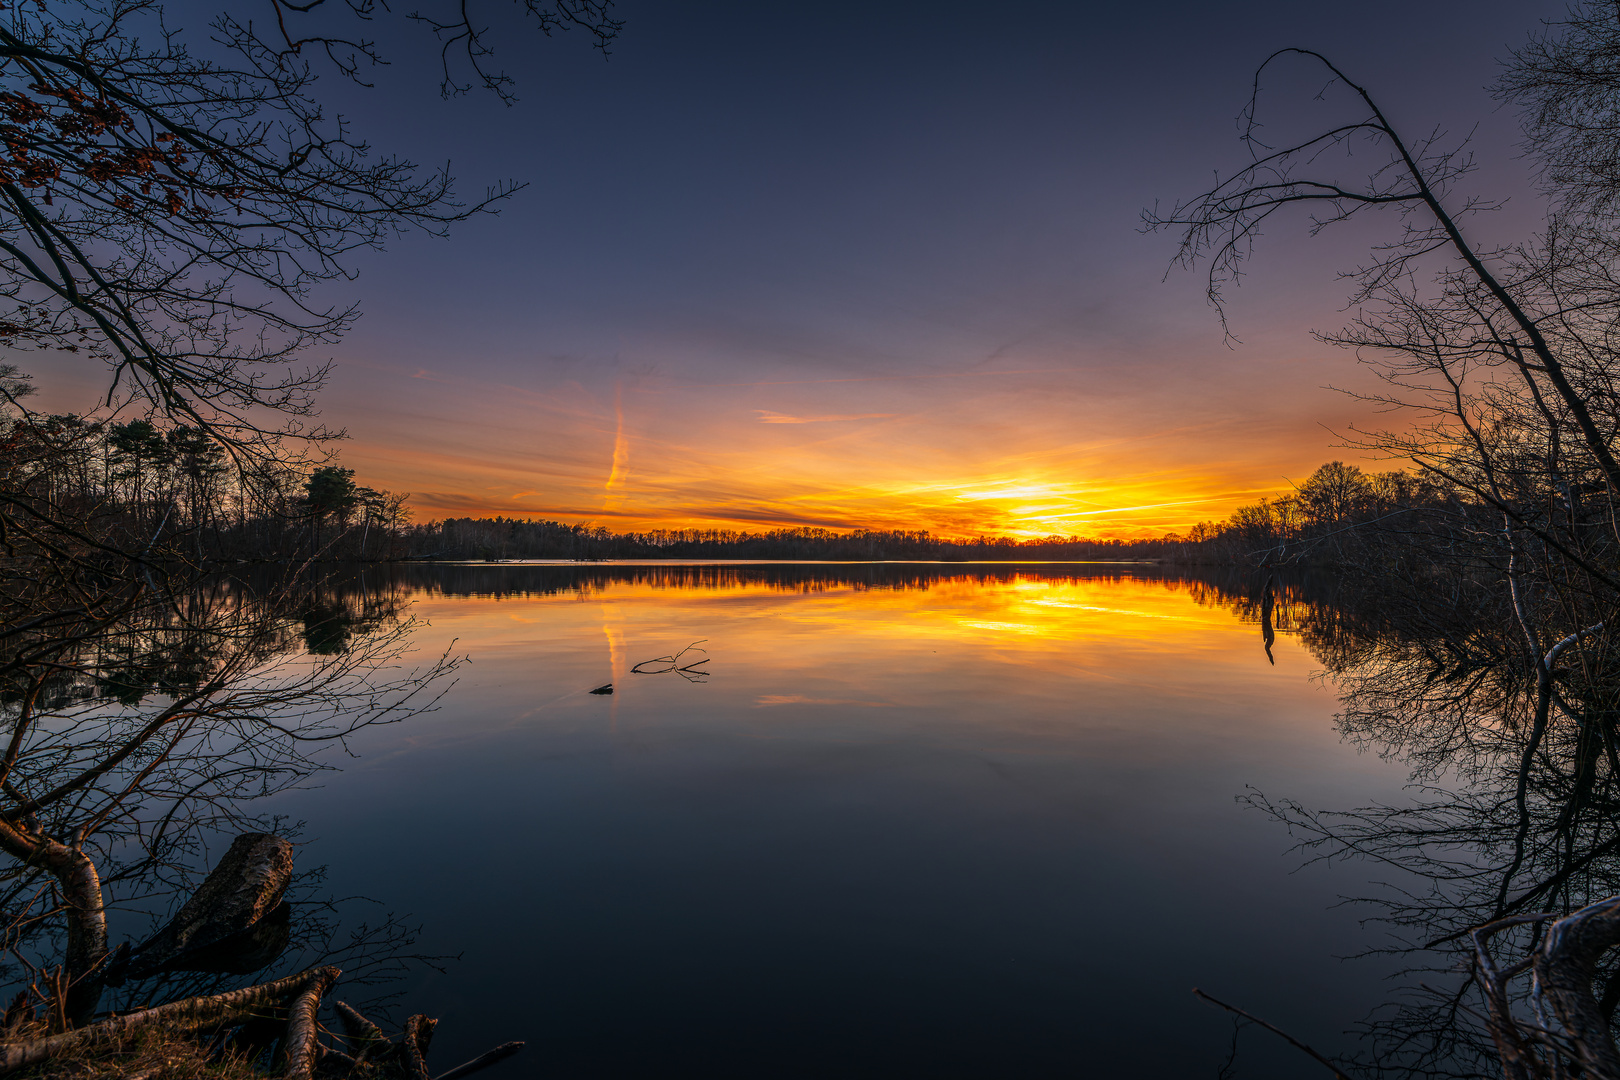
pixel 302 1050
pixel 190 1015
pixel 80 885
pixel 1565 965
pixel 235 921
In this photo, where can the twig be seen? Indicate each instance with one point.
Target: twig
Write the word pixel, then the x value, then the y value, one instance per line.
pixel 482 1061
pixel 1338 1072
pixel 673 663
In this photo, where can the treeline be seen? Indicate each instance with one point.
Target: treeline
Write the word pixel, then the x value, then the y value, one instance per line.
pixel 514 538
pixel 173 491
pixel 1332 517
pixel 1321 523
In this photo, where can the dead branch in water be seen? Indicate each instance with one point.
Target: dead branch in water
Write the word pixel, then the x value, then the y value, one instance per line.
pixel 1253 1019
pixel 689 671
pixel 482 1061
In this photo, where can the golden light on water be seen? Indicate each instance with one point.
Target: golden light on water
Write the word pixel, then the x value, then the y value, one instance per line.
pixel 856 655
pixel 1019 612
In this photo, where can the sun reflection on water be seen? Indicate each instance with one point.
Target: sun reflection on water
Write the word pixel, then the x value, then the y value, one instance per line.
pixel 831 627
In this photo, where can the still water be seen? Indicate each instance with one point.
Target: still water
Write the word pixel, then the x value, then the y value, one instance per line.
pixel 905 820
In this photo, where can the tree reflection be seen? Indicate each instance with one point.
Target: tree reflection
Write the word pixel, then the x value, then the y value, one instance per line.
pixel 134 741
pixel 1515 786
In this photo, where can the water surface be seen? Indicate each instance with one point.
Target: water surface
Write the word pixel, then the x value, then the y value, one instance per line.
pixel 922 820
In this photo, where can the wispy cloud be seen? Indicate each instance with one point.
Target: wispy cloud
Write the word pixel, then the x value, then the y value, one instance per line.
pixel 621 446
pixel 768 417
pixel 885 378
pixel 799 699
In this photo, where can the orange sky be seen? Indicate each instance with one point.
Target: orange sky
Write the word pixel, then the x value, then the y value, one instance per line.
pixel 783 285
pixel 779 271
pixel 1035 447
pixel 1020 450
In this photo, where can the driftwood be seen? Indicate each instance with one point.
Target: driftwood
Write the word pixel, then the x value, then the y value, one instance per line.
pixel 301 1048
pixel 182 1017
pixel 413 1047
pixel 482 1061
pixel 301 1054
pixel 376 1055
pixel 367 1037
pixel 236 921
pixel 660 665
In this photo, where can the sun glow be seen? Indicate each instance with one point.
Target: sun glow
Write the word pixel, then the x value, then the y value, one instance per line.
pixel 750 496
pixel 1023 614
pixel 639 454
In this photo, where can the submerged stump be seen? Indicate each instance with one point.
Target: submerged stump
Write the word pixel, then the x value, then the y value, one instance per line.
pixel 236 922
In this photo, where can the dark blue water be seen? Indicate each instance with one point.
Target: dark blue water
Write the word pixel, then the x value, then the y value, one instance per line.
pixel 953 823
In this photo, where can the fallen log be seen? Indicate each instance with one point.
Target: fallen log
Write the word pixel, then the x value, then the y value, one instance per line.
pixel 182 1017
pixel 303 1029
pixel 1565 965
pixel 236 922
pixel 405 1056
pixel 413 1047
pixel 365 1035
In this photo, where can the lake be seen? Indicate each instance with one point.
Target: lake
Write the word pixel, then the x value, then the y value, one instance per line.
pixel 902 819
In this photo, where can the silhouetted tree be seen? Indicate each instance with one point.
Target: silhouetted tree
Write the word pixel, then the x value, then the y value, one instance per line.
pixel 168 207
pixel 330 492
pixel 1502 361
pixel 1335 493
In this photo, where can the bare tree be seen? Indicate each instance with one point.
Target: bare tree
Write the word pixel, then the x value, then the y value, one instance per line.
pixel 1494 674
pixel 1483 345
pixel 174 206
pixel 172 212
pixel 129 741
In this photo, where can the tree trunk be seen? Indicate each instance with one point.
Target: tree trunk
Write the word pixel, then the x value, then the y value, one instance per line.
pixel 1565 965
pixel 184 1017
pixel 80 884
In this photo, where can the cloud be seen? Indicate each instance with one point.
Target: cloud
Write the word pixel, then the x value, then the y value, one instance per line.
pixel 888 378
pixel 768 417
pixel 621 447
pixel 800 699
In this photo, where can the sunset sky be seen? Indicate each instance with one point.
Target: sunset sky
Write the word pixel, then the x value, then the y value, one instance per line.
pixel 873 265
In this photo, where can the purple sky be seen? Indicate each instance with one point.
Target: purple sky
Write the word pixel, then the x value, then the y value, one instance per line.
pixel 871 264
